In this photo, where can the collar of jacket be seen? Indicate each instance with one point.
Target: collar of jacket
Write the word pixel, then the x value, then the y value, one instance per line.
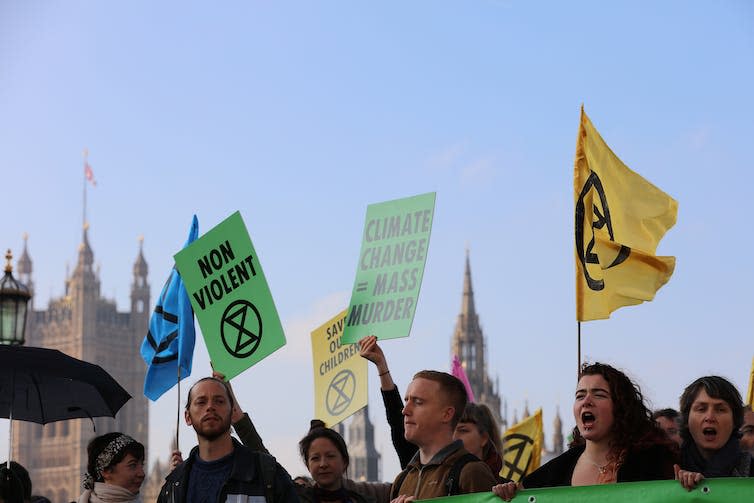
pixel 244 466
pixel 438 458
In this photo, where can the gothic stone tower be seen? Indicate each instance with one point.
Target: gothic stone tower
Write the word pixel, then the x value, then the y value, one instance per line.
pixel 87 326
pixel 365 459
pixel 469 345
pixel 557 434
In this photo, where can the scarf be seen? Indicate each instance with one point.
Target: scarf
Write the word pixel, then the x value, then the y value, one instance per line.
pixel 108 493
pixel 722 463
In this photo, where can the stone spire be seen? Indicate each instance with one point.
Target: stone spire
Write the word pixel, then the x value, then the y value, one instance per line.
pixel 468 312
pixel 364 464
pixel 140 266
pixel 140 286
pixel 468 343
pixel 468 340
pixel 86 255
pixel 557 435
pixel 83 281
pixel 24 267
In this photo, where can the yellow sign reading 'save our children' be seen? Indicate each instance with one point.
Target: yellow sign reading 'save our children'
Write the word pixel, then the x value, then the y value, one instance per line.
pixel 340 374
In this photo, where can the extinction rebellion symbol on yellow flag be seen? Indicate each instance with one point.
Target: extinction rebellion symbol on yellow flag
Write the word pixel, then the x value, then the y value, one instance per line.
pixel 522 447
pixel 620 219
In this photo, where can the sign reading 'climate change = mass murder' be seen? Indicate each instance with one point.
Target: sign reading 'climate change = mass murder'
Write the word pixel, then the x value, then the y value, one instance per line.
pixel 230 296
pixel 340 374
pixel 391 268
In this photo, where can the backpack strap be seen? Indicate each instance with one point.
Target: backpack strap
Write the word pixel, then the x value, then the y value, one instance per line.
pixel 453 482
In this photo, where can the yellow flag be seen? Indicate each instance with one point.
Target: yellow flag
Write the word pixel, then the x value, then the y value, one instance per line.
pixel 522 448
pixel 340 374
pixel 620 219
pixel 750 394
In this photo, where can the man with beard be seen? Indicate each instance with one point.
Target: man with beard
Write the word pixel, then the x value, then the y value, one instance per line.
pixel 220 469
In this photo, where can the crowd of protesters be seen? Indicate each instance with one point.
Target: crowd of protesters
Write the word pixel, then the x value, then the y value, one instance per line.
pixel 445 444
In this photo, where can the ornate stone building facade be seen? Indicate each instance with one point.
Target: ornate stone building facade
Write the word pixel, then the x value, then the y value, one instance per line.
pixel 87 326
pixel 469 345
pixel 557 440
pixel 365 460
pixel 557 435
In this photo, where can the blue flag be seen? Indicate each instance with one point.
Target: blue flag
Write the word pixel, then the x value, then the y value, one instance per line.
pixel 169 344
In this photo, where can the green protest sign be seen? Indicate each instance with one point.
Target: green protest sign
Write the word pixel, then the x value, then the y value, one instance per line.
pixel 729 490
pixel 230 296
pixel 391 268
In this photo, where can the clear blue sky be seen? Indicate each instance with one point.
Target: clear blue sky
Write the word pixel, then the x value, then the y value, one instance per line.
pixel 301 114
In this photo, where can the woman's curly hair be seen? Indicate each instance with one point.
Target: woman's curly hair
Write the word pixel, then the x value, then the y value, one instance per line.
pixel 633 427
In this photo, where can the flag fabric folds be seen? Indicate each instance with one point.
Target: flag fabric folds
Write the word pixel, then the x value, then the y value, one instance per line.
pixel 89 174
pixel 456 369
pixel 522 447
pixel 169 344
pixel 619 220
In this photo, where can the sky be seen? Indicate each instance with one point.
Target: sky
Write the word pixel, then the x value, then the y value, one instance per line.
pixel 300 114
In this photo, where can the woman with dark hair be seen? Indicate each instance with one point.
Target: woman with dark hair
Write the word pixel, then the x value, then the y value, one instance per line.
pixel 615 439
pixel 325 454
pixel 480 434
pixel 114 471
pixel 711 415
pixel 15 483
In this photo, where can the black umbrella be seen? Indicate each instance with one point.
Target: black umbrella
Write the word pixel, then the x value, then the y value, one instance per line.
pixel 45 385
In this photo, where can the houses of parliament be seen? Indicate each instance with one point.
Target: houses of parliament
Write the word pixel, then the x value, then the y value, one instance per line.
pixel 84 324
pixel 88 326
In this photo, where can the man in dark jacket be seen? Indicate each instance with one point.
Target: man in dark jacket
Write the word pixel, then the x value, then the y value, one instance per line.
pixel 220 469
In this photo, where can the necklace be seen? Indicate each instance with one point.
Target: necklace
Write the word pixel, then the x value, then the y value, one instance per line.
pixel 601 468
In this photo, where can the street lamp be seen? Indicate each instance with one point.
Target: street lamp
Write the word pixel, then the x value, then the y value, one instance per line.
pixel 14 297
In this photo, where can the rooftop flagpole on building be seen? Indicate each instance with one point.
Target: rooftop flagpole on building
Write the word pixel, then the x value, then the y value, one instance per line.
pixel 86 162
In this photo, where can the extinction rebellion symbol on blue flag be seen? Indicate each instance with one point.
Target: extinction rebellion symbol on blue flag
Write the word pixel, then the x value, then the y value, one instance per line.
pixel 169 344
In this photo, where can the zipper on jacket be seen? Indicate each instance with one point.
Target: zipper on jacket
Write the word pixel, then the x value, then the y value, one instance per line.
pixel 419 481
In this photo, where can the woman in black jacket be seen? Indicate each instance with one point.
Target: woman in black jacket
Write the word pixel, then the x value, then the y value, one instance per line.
pixel 615 438
pixel 325 454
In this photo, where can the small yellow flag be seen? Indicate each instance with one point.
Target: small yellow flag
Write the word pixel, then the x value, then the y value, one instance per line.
pixel 522 448
pixel 620 219
pixel 750 393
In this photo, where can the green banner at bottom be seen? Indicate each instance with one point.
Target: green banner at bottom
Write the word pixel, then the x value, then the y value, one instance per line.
pixel 729 490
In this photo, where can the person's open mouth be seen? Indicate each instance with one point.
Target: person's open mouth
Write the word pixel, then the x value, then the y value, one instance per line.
pixel 588 419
